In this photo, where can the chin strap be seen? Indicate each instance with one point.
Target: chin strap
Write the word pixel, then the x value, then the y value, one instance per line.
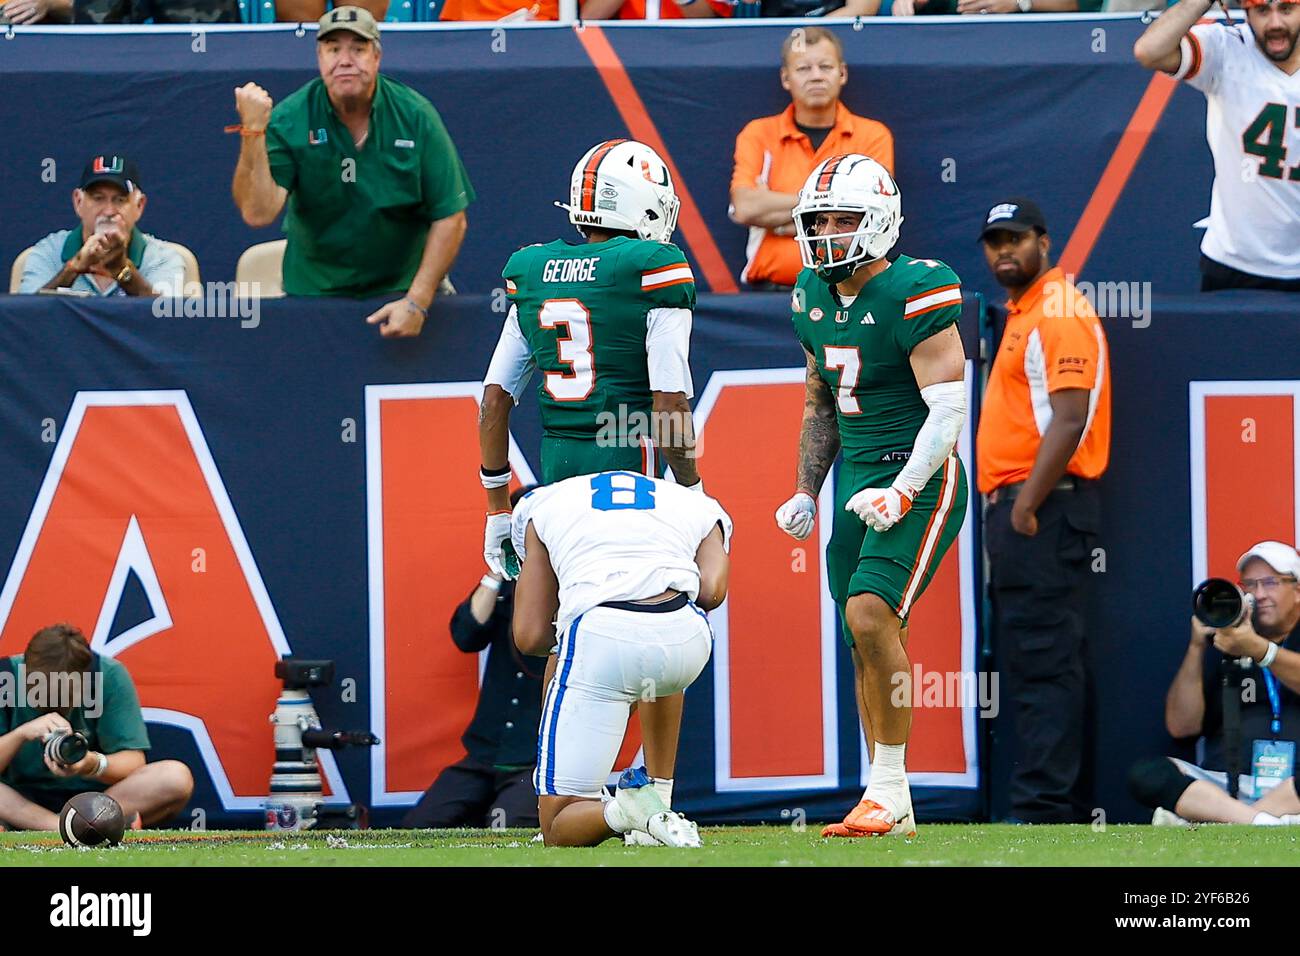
pixel 937 437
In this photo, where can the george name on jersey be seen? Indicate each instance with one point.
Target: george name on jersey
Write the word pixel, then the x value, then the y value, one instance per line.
pixel 570 270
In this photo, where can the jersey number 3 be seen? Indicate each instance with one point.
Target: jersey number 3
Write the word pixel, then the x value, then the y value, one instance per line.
pixel 849 361
pixel 574 349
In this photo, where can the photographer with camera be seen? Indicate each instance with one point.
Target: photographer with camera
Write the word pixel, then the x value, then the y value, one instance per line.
pixel 72 723
pixel 1239 681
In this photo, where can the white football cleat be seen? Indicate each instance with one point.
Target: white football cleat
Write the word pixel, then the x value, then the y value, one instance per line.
pixel 639 838
pixel 1167 818
pixel 673 829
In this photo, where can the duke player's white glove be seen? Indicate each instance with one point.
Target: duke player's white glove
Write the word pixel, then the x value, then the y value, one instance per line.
pixel 496 534
pixel 881 508
pixel 798 515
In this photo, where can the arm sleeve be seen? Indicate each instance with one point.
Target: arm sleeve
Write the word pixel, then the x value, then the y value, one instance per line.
pixel 720 517
pixel 882 148
pixel 1071 351
pixel 443 179
pixel 44 262
pixel 284 169
pixel 668 350
pixel 121 726
pixel 163 268
pixel 1203 51
pixel 933 304
pixel 512 363
pixel 667 281
pixel 751 160
pixel 471 636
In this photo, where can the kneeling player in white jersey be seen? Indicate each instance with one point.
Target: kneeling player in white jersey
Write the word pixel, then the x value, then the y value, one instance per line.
pixel 622 568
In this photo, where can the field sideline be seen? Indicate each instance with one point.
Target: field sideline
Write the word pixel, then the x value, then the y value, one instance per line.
pixel 937 845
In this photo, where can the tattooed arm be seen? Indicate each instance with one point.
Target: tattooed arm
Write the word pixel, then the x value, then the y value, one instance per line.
pixel 819 438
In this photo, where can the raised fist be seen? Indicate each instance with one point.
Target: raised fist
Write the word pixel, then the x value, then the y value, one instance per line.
pixel 254 106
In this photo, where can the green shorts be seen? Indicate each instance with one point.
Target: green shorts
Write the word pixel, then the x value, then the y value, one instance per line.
pixel 566 457
pixel 897 564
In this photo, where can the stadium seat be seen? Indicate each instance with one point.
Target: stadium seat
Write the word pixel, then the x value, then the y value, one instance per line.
pixel 261 264
pixel 191 262
pixel 16 274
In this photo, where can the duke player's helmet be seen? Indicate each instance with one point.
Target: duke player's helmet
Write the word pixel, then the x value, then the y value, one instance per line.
pixel 849 183
pixel 622 184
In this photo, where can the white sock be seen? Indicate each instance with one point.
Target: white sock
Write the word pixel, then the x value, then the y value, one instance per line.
pixel 664 787
pixel 887 768
pixel 615 817
pixel 1263 819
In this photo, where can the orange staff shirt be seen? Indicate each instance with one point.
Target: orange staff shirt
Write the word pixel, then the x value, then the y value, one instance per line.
pixel 1053 341
pixel 773 152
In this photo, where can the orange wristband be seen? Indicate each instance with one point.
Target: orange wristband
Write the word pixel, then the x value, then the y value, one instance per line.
pixel 244 131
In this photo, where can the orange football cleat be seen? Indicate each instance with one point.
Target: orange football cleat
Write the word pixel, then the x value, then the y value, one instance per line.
pixel 870 819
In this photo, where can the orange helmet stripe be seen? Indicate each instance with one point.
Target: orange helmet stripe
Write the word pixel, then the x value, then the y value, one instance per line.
pixel 587 201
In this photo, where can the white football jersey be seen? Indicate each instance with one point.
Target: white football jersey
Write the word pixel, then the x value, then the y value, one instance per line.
pixel 618 536
pixel 1252 123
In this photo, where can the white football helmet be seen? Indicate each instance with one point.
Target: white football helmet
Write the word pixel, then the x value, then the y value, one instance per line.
pixel 848 183
pixel 623 184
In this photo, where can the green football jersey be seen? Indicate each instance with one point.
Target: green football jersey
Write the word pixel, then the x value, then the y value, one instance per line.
pixel 862 350
pixel 583 309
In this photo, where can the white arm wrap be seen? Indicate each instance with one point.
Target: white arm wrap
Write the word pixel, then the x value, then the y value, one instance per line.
pixel 937 437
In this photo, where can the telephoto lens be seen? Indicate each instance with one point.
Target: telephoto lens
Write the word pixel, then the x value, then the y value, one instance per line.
pixel 67 747
pixel 1218 603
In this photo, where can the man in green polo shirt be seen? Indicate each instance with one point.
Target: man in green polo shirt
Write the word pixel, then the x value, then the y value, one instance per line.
pixel 56 685
pixel 376 191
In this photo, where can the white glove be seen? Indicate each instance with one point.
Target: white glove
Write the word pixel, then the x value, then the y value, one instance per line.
pixel 495 535
pixel 798 515
pixel 880 508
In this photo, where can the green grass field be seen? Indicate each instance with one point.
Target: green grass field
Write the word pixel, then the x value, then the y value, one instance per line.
pixel 936 845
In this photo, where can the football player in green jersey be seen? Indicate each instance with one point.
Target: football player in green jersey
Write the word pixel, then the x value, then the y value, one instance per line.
pixel 884 385
pixel 607 324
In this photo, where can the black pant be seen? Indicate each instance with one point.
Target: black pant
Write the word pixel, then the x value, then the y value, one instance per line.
pixel 1216 276
pixel 1037 586
pixel 473 794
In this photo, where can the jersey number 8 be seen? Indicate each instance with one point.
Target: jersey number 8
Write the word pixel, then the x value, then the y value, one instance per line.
pixel 621 490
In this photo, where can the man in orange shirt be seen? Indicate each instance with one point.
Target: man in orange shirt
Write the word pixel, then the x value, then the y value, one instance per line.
pixel 775 154
pixel 1043 440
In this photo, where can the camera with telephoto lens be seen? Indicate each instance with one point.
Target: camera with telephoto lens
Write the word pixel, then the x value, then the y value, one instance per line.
pixel 66 747
pixel 1218 603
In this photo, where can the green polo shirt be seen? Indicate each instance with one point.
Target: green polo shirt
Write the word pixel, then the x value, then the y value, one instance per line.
pixel 357 219
pixel 118 726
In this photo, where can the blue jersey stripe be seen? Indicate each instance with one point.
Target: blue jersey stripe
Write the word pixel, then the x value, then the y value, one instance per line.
pixel 565 665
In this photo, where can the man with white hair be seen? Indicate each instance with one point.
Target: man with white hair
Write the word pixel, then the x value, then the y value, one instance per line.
pixel 106 255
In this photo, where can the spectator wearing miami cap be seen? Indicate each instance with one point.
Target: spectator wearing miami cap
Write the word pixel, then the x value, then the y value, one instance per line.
pixel 1265 649
pixel 375 189
pixel 106 254
pixel 1250 75
pixel 1043 439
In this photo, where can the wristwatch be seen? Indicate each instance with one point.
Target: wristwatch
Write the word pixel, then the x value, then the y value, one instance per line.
pixel 1025 5
pixel 126 275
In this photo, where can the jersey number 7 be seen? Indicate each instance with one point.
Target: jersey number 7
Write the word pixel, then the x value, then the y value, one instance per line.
pixel 848 359
pixel 573 347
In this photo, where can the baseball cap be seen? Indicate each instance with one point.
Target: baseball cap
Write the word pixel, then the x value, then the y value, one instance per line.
pixel 1017 215
pixel 353 19
pixel 1282 558
pixel 111 169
